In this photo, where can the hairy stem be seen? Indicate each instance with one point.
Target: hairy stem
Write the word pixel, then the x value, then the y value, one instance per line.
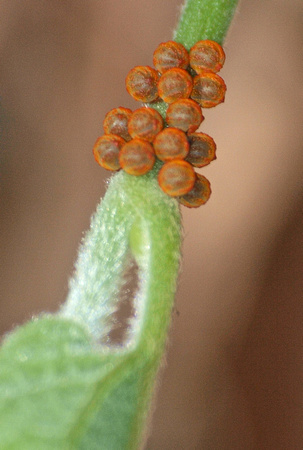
pixel 135 215
pixel 204 19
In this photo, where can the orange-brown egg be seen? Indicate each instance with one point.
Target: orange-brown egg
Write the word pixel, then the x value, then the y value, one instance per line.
pixel 198 195
pixel 184 114
pixel 145 123
pixel 175 84
pixel 137 157
pixel 171 143
pixel 208 89
pixel 206 55
pixel 176 177
pixel 106 151
pixel 141 83
pixel 116 122
pixel 170 54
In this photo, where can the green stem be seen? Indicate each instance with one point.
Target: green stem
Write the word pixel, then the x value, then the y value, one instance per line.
pixel 136 217
pixel 204 19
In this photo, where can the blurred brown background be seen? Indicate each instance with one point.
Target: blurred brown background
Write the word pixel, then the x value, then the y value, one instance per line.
pixel 235 360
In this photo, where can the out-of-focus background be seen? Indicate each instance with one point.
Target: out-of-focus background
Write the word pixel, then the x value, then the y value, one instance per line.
pixel 234 367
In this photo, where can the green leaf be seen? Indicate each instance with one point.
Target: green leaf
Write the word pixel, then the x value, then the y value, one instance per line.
pixel 61 385
pixel 49 373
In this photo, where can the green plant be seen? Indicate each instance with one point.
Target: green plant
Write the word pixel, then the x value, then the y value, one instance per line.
pixel 61 385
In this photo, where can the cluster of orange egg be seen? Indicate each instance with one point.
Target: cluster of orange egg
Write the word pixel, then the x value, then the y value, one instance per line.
pixel 134 140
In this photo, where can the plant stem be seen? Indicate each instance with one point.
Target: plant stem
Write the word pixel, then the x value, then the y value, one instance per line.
pixel 204 19
pixel 135 215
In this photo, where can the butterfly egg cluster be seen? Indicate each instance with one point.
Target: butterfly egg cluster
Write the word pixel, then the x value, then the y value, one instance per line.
pixel 134 140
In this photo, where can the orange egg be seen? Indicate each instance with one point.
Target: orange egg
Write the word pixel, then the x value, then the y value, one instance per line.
pixel 176 177
pixel 202 149
pixel 145 123
pixel 116 122
pixel 206 55
pixel 170 54
pixel 198 195
pixel 171 143
pixel 137 157
pixel 141 83
pixel 208 89
pixel 106 151
pixel 175 84
pixel 184 114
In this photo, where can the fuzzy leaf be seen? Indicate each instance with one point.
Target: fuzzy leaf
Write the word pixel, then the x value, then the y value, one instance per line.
pixel 61 386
